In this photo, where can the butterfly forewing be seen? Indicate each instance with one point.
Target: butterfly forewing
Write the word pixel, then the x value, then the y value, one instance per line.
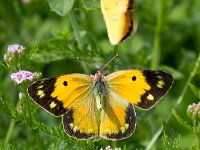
pixel 57 94
pixel 142 88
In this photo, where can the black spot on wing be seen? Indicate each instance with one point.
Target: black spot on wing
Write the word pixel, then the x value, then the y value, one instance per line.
pixel 67 120
pixel 134 78
pixel 152 78
pixel 47 87
pixel 130 120
pixel 65 83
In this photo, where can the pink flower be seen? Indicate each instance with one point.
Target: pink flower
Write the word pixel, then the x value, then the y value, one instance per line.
pixel 15 48
pixel 22 76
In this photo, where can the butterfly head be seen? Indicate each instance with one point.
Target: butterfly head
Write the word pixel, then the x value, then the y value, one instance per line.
pixel 99 77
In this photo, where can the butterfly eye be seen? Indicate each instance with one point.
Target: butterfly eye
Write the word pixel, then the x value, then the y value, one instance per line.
pixel 134 78
pixel 65 83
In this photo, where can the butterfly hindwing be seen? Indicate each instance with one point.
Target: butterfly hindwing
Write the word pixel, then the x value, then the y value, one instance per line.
pixel 142 88
pixel 118 118
pixel 57 94
pixel 82 121
pixel 118 19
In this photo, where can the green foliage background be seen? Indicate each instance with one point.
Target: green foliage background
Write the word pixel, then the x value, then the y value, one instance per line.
pixel 55 33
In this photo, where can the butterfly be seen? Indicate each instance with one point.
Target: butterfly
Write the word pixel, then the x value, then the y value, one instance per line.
pixel 100 106
pixel 118 19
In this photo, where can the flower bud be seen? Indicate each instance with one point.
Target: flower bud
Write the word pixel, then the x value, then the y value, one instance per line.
pixel 193 111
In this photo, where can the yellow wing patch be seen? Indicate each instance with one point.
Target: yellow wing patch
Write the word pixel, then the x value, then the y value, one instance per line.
pixel 150 97
pixel 128 84
pixel 160 84
pixel 70 89
pixel 40 93
pixel 53 104
pixel 118 19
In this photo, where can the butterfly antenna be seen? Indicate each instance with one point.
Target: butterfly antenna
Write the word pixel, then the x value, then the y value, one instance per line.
pixel 83 61
pixel 109 62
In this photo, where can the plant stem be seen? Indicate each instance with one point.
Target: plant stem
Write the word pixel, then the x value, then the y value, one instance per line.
pixel 12 124
pixel 37 136
pixel 10 131
pixel 159 131
pixel 198 142
pixel 156 45
pixel 36 132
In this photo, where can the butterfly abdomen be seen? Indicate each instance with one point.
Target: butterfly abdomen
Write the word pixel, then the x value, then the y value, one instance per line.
pixel 100 90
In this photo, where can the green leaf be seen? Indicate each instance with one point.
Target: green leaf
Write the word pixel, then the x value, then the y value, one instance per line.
pixel 6 107
pixel 61 7
pixel 195 90
pixel 59 133
pixel 170 139
pixel 181 121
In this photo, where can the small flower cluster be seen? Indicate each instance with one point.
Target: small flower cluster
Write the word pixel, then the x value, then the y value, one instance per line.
pixel 16 48
pixel 193 111
pixel 13 54
pixel 22 76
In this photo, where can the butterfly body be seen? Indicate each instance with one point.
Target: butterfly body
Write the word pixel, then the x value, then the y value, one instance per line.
pixel 100 89
pixel 100 106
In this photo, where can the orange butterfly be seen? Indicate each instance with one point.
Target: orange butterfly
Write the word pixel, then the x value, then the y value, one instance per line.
pixel 100 106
